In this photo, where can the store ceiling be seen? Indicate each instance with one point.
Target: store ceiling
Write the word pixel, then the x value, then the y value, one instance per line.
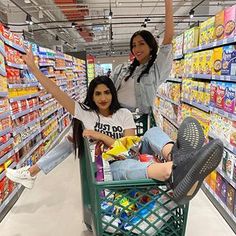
pixel 93 31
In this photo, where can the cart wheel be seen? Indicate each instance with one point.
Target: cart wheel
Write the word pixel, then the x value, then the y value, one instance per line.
pixel 89 227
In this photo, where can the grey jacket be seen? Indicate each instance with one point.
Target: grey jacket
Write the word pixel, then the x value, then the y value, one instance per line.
pixel 145 91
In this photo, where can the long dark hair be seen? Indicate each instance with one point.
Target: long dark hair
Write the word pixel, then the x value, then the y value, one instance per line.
pixel 152 43
pixel 89 105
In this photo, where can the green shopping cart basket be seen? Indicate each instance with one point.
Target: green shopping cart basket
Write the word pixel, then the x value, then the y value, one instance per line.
pixel 128 207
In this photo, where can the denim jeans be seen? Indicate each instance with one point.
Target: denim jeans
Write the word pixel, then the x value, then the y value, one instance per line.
pixel 55 156
pixel 153 142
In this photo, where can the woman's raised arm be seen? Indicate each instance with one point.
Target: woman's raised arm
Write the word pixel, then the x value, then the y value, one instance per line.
pixel 64 100
pixel 169 24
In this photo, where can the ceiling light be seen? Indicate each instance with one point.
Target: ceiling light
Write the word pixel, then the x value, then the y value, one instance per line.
pixel 73 24
pixel 28 19
pixel 144 24
pixel 191 13
pixel 27 1
pixel 110 15
pixel 147 19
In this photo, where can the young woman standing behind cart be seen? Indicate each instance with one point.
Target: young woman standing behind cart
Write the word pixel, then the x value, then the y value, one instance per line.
pixel 137 84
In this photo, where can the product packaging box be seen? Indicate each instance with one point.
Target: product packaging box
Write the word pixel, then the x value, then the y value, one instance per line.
pixel 217 61
pixel 213 93
pixel 213 180
pixel 230 197
pixel 191 38
pixel 230 165
pixel 202 62
pixel 203 33
pixel 229 60
pixel 230 21
pixel 229 98
pixel 218 184
pixel 220 94
pixel 195 63
pixel 210 28
pixel 208 62
pixel 219 25
pixel 223 191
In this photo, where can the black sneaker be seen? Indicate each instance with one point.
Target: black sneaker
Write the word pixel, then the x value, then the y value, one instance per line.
pixel 190 137
pixel 189 174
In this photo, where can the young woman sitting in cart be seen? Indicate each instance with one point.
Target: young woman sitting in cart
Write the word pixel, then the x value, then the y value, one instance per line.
pixel 188 162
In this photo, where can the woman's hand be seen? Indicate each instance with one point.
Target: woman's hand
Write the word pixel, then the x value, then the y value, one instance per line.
pixel 97 136
pixel 29 58
pixel 91 134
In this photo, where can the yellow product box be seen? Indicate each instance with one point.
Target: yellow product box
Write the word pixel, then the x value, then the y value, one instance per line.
pixel 191 38
pixel 200 89
pixel 3 84
pixel 195 60
pixel 213 180
pixel 209 62
pixel 203 33
pixel 207 95
pixel 210 29
pixel 219 25
pixel 217 60
pixel 202 62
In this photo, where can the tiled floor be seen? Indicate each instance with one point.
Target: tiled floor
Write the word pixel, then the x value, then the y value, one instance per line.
pixel 53 208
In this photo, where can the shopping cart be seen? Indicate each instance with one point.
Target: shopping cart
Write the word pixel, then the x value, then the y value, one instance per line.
pixel 137 207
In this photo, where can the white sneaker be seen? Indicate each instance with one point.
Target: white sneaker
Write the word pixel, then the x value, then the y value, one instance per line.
pixel 21 176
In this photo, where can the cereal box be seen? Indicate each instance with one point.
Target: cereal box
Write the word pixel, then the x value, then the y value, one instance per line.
pixel 202 62
pixel 219 26
pixel 218 184
pixel 229 60
pixel 195 63
pixel 213 90
pixel 220 94
pixel 217 60
pixel 230 21
pixel 208 62
pixel 210 28
pixel 191 38
pixel 230 165
pixel 230 197
pixel 203 33
pixel 229 98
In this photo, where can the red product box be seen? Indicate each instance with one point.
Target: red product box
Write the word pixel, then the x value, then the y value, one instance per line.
pixel 15 107
pixel 3 189
pixel 220 94
pixel 24 105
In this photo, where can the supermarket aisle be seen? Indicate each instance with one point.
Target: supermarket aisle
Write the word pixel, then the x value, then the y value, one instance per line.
pixel 53 207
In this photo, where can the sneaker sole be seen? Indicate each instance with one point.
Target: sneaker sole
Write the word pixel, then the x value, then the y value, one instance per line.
pixel 190 135
pixel 26 183
pixel 192 182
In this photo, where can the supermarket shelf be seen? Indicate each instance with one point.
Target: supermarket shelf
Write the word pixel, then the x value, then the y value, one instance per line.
pixel 33 84
pixel 5 114
pixel 9 142
pixel 45 96
pixel 59 68
pixel 50 76
pixel 168 99
pixel 42 64
pixel 23 143
pixel 223 113
pixel 170 120
pixel 2 175
pixel 23 159
pixel 226 144
pixel 23 97
pixel 48 114
pixel 197 105
pixel 198 76
pixel 62 117
pixel 6 156
pixel 3 94
pixel 5 131
pixel 2 51
pixel 177 57
pixel 225 176
pixel 175 80
pixel 59 138
pixel 211 77
pixel 220 206
pixel 48 105
pixel 48 137
pixel 22 113
pixel 46 56
pixel 18 66
pixel 49 122
pixel 10 201
pixel 3 72
pixel 61 77
pixel 212 45
pixel 21 129
pixel 13 45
